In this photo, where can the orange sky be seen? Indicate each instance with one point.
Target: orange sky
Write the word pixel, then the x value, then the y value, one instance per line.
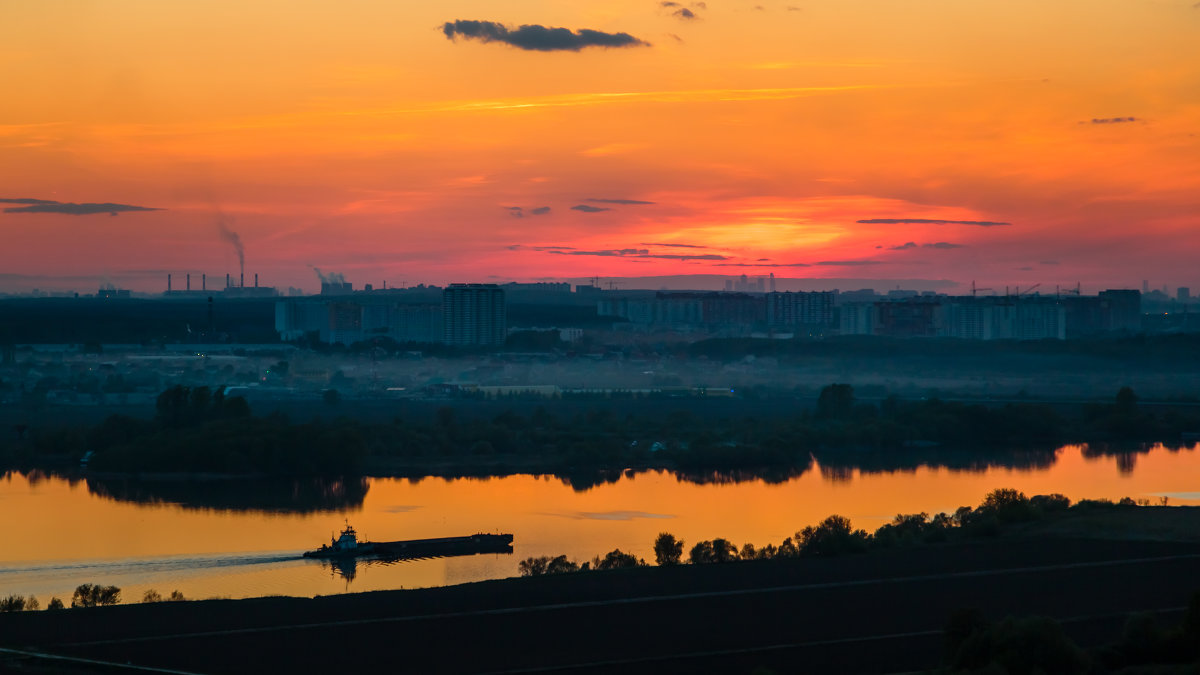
pixel 358 138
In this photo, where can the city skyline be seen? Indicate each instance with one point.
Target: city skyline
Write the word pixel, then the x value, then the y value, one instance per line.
pixel 1004 143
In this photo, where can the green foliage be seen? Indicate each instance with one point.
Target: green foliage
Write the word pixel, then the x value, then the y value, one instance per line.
pixel 94 595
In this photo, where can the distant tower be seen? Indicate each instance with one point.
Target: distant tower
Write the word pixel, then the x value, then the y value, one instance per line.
pixel 168 283
pixel 1145 286
pixel 772 282
pixel 189 282
pixel 1183 294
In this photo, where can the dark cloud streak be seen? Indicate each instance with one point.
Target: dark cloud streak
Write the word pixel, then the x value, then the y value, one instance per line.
pixel 533 37
pixel 69 208
pixel 927 221
pixel 627 202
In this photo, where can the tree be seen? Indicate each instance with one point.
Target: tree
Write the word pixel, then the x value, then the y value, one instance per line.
pixel 833 536
pixel 1126 401
pixel 667 550
pixel 54 603
pixel 1008 505
pixel 13 603
pixel 836 401
pixel 94 595
pixel 616 559
pixel 701 553
pixel 723 550
pixel 151 595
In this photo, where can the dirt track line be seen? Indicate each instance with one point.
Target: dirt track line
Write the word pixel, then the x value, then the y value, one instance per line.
pixel 642 600
pixel 93 662
pixel 791 645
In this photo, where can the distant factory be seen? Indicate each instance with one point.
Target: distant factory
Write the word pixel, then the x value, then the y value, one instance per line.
pixel 230 290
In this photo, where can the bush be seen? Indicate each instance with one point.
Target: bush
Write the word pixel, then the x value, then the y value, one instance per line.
pixel 536 567
pixel 1021 647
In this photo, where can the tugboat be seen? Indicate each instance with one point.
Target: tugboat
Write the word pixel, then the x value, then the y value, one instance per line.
pixel 347 544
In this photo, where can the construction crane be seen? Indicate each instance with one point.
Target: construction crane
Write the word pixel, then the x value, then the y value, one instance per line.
pixel 975 289
pixel 1068 291
pixel 1029 290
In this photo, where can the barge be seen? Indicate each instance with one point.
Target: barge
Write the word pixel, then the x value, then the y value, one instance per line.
pixel 347 545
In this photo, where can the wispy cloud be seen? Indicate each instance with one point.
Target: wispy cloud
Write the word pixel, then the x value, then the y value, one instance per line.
pixel 642 253
pixel 848 263
pixel 522 247
pixel 761 264
pixel 534 37
pixel 540 210
pixel 942 245
pixel 928 221
pixel 632 202
pixel 589 209
pixel 673 245
pixel 1113 120
pixel 69 208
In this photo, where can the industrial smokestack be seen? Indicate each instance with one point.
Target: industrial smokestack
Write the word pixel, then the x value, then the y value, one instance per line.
pixel 242 280
pixel 204 282
pixel 227 280
pixel 168 283
pixel 256 279
pixel 189 281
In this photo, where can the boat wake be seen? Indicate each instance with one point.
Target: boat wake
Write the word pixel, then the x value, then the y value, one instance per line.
pixel 100 570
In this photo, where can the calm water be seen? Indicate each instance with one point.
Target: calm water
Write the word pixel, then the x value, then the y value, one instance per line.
pixel 243 538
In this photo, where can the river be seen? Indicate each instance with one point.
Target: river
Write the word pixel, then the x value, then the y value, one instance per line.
pixel 235 539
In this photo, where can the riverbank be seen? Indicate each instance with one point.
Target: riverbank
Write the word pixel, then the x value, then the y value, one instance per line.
pixel 882 611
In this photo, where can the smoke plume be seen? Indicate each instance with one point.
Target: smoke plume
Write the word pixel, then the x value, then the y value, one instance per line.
pixel 233 238
pixel 331 278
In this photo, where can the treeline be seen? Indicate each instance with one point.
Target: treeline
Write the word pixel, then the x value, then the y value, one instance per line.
pixel 836 536
pixel 196 429
pixel 85 595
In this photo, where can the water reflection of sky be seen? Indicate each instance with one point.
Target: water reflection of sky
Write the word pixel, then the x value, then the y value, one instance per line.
pixel 58 535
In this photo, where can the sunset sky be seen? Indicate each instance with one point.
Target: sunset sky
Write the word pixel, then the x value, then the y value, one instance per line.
pixel 1007 142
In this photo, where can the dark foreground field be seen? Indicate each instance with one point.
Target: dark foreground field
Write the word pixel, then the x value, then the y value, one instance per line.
pixel 876 613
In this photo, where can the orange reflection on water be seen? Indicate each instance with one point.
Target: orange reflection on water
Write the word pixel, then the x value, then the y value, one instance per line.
pixel 51 520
